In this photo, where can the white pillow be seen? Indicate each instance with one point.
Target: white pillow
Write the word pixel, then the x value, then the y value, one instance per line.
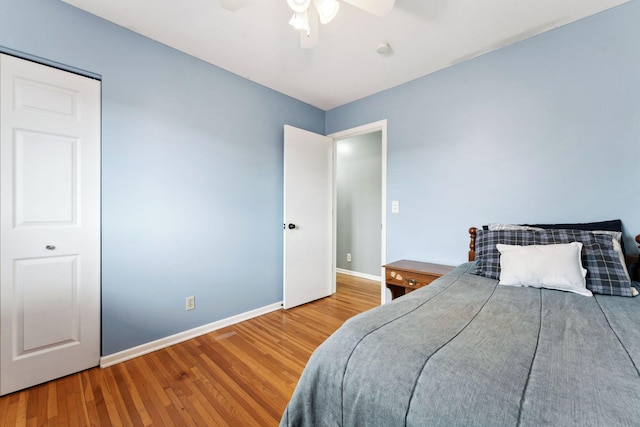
pixel 544 266
pixel 498 226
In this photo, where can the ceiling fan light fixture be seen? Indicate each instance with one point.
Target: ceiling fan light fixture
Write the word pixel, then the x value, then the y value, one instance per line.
pixel 299 6
pixel 327 9
pixel 300 21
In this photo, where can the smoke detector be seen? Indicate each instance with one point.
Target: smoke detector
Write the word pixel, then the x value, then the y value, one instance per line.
pixel 384 49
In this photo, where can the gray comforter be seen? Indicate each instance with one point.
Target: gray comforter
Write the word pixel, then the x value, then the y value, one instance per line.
pixel 464 351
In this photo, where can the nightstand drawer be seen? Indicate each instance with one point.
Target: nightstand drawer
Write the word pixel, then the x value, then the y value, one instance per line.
pixel 404 276
pixel 408 279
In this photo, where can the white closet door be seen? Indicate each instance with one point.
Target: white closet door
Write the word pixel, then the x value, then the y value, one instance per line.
pixel 49 223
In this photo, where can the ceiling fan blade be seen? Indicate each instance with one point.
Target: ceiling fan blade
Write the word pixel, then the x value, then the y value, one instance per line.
pixel 377 7
pixel 234 5
pixel 310 39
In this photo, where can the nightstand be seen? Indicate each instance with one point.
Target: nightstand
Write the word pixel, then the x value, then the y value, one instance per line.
pixel 404 276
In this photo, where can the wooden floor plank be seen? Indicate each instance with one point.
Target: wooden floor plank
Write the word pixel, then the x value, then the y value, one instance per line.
pixel 243 374
pixel 21 413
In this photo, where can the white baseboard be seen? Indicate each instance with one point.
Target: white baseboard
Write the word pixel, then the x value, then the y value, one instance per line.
pixel 357 274
pixel 130 353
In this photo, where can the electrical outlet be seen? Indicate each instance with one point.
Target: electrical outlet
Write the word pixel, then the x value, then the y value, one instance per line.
pixel 191 303
pixel 348 257
pixel 395 206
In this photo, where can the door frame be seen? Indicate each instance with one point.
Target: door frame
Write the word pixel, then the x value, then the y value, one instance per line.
pixel 381 126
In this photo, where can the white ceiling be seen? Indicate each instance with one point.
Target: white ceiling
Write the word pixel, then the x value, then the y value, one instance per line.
pixel 256 41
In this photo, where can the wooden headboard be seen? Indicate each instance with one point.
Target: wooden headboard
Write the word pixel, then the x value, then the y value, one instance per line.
pixel 472 243
pixel 633 262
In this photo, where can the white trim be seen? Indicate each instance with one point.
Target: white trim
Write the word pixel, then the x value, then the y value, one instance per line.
pixel 149 347
pixel 380 125
pixel 334 216
pixel 368 128
pixel 358 274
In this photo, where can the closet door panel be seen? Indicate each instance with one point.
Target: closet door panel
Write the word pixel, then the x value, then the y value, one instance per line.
pixel 49 223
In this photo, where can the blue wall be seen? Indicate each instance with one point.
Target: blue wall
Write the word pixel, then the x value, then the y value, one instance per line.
pixel 545 130
pixel 191 174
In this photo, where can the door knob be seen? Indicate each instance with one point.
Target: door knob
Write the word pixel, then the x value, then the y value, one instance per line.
pixel 50 247
pixel 292 226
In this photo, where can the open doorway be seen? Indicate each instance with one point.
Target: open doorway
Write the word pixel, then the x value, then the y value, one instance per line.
pixel 358 201
pixel 360 198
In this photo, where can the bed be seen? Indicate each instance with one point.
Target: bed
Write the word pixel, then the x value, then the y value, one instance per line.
pixel 468 351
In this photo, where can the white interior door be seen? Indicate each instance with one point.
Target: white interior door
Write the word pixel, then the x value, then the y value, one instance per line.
pixel 49 223
pixel 308 217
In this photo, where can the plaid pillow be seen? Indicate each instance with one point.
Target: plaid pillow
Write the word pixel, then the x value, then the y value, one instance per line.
pixel 488 256
pixel 605 273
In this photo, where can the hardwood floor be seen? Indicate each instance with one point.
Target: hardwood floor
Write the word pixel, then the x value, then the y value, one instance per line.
pixel 242 375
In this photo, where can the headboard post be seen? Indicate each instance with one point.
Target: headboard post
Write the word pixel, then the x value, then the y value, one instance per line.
pixel 472 243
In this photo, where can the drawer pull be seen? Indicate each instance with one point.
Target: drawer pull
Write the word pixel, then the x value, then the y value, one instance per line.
pixel 411 282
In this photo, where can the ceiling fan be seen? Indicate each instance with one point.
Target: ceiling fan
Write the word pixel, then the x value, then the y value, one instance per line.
pixel 308 14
